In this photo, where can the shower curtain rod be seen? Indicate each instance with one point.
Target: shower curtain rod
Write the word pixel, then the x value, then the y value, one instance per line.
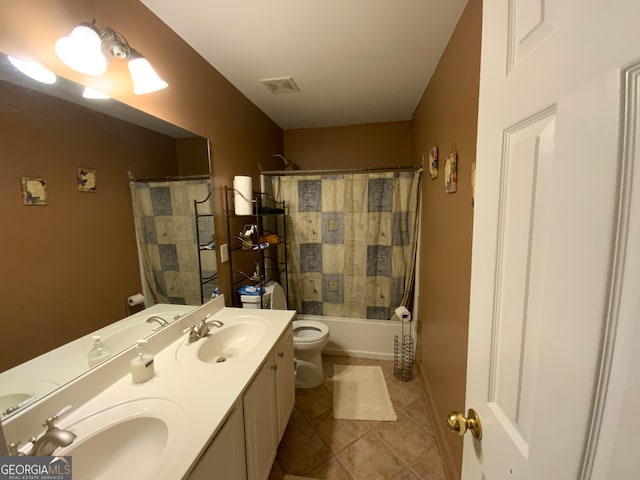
pixel 170 178
pixel 277 173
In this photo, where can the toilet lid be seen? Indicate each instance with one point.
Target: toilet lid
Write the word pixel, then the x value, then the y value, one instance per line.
pixel 309 331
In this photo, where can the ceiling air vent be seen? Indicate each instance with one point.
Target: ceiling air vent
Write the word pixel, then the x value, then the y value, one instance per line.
pixel 280 85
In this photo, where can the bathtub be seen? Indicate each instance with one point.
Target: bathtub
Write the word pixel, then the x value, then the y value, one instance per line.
pixel 359 337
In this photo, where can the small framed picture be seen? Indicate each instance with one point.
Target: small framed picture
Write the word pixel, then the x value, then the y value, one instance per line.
pixel 451 173
pixel 87 180
pixel 433 162
pixel 34 191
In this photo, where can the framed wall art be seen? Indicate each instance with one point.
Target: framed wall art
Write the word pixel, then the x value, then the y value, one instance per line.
pixel 451 173
pixel 433 162
pixel 34 191
pixel 87 180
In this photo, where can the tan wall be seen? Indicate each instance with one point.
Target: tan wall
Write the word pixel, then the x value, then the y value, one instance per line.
pixel 447 116
pixel 193 157
pixel 198 98
pixel 70 265
pixel 355 146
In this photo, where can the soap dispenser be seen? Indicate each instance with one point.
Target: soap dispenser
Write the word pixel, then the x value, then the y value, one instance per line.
pixel 99 351
pixel 142 368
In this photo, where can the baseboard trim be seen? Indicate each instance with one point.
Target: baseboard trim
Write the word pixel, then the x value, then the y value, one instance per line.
pixel 448 462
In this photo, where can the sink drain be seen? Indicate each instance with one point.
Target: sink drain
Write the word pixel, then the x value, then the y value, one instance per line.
pixel 220 359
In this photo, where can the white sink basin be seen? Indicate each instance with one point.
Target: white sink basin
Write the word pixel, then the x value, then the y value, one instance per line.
pixel 136 439
pixel 232 341
pixel 235 339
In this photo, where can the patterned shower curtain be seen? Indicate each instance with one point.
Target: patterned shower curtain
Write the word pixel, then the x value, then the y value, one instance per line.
pixel 351 241
pixel 166 231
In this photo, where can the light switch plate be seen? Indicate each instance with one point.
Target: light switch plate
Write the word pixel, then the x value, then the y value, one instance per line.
pixel 224 252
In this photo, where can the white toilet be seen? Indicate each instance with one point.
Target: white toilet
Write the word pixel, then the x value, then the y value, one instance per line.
pixel 309 338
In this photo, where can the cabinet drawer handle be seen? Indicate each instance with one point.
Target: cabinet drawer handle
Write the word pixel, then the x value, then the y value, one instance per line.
pixel 281 354
pixel 274 367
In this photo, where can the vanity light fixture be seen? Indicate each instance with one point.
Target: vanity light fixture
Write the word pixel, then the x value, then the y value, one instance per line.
pixel 87 50
pixel 34 70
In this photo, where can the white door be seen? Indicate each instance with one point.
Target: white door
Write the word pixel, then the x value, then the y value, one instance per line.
pixel 557 105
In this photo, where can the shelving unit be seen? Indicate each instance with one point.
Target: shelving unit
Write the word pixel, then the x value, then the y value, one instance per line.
pixel 256 262
pixel 204 247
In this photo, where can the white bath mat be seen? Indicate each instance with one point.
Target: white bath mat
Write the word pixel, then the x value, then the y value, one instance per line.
pixel 360 393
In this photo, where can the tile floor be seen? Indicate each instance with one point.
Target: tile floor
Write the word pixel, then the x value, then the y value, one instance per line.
pixel 318 446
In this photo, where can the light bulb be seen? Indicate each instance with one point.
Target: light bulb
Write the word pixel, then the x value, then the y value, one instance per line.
pixel 82 51
pixel 34 70
pixel 145 78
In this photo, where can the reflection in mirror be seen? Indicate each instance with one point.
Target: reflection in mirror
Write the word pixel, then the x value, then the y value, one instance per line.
pixel 174 229
pixel 71 262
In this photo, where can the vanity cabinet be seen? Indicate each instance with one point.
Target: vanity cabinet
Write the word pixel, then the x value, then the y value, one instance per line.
pixel 268 403
pixel 224 458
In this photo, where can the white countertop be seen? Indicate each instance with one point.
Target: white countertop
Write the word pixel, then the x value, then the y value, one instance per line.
pixel 203 392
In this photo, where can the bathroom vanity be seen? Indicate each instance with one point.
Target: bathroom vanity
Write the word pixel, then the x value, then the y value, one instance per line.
pixel 246 443
pixel 217 406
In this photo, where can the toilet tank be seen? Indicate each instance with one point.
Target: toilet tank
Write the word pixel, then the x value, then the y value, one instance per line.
pixel 253 301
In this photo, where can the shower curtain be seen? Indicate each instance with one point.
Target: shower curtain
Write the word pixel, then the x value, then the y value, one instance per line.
pixel 351 241
pixel 166 231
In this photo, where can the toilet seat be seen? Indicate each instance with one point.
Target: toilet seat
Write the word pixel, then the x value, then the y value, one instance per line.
pixel 308 331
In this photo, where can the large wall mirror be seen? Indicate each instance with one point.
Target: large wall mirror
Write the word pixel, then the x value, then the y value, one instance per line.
pixel 71 261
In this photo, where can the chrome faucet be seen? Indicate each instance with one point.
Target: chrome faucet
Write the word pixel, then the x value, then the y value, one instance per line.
pixel 201 330
pixel 51 439
pixel 159 320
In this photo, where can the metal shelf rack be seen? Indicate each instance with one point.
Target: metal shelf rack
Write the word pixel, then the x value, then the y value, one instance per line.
pixel 267 260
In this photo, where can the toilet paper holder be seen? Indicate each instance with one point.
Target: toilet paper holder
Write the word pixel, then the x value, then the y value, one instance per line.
pixel 403 314
pixel 403 347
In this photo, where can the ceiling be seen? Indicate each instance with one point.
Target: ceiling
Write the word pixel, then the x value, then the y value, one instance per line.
pixel 355 61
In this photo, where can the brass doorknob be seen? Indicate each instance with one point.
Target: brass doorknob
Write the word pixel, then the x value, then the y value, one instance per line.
pixel 459 424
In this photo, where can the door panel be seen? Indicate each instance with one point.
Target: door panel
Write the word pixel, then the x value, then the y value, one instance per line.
pixel 529 26
pixel 527 167
pixel 285 380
